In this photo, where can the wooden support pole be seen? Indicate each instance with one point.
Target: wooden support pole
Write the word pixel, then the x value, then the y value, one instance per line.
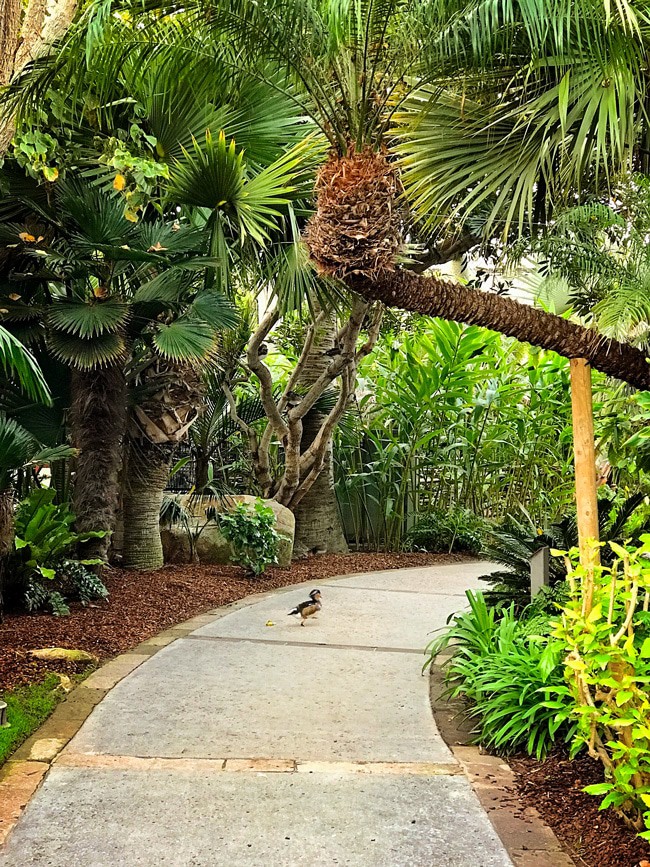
pixel 585 470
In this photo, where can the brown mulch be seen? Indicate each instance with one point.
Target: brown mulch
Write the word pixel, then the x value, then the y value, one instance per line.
pixel 593 837
pixel 142 604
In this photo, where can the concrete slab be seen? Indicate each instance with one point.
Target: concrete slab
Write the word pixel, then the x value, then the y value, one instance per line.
pixel 165 819
pixel 357 617
pixel 220 699
pixel 450 580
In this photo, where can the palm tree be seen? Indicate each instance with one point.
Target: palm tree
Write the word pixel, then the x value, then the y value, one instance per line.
pixel 541 122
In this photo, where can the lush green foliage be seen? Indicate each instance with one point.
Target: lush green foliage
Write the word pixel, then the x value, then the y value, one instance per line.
pixel 452 416
pixel 252 535
pixel 605 627
pixel 512 544
pixel 446 531
pixel 511 677
pixel 42 565
pixel 27 708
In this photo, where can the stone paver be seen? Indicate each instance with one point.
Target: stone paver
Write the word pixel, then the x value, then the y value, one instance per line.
pixel 246 745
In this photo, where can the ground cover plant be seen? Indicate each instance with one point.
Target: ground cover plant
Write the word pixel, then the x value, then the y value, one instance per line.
pixel 27 708
pixel 511 676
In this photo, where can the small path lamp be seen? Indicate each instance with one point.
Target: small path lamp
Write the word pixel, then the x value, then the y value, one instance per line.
pixel 4 722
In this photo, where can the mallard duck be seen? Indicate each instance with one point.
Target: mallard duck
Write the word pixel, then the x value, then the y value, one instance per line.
pixel 308 608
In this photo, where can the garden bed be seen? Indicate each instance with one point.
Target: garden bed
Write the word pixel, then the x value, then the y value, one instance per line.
pixel 595 838
pixel 142 604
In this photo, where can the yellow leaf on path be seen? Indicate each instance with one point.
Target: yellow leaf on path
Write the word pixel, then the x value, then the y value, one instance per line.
pixel 270 623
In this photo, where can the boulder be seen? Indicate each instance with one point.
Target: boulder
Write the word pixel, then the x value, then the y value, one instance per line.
pixel 210 546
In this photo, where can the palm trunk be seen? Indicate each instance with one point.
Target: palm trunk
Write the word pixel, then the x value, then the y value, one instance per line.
pixel 146 478
pixel 6 539
pixel 436 297
pixel 318 522
pixel 97 424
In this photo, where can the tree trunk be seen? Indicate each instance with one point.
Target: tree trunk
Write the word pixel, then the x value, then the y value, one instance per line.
pixel 318 522
pixel 97 424
pixel 6 539
pixel 25 37
pixel 145 480
pixel 436 297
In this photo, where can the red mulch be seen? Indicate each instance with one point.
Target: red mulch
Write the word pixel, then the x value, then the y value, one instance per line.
pixel 594 838
pixel 142 604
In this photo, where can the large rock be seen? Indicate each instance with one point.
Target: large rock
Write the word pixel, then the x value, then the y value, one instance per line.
pixel 209 544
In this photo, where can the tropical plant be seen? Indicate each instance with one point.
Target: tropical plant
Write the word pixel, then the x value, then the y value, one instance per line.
pixel 18 450
pixel 512 679
pixel 445 531
pixel 605 628
pixel 452 417
pixel 252 535
pixel 353 65
pixel 513 544
pixel 43 570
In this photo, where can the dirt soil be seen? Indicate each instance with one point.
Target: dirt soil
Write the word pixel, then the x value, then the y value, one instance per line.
pixel 142 604
pixel 593 838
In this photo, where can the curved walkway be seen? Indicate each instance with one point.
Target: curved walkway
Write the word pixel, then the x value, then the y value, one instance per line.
pixel 253 742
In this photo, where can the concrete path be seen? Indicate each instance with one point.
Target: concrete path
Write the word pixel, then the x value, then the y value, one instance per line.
pixel 254 742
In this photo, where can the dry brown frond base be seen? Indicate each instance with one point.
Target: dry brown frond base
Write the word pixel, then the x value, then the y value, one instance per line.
pixel 356 227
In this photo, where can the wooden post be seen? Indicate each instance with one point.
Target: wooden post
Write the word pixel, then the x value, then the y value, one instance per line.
pixel 585 470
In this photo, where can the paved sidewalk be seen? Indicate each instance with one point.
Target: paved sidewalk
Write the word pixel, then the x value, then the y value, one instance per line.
pixel 254 742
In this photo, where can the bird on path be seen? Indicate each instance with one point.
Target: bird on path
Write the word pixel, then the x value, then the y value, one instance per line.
pixel 309 608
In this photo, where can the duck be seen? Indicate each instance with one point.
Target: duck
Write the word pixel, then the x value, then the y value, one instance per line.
pixel 309 608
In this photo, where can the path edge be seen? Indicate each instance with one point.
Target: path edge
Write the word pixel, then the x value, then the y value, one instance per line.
pixel 527 838
pixel 24 772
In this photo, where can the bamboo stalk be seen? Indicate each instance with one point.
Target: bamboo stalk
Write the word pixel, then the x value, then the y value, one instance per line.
pixel 585 472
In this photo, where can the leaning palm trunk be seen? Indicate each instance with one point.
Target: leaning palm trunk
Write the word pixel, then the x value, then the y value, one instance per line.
pixel 146 477
pixel 97 426
pixel 318 522
pixel 437 297
pixel 355 236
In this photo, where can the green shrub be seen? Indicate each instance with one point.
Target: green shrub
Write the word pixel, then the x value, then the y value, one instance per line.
pixel 252 535
pixel 445 531
pixel 512 679
pixel 43 568
pixel 512 544
pixel 604 629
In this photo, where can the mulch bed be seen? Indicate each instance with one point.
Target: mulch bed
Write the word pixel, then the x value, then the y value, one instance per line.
pixel 142 604
pixel 594 838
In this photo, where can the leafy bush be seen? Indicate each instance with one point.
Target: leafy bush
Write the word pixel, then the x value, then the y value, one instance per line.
pixel 44 570
pixel 605 627
pixel 513 543
pixel 252 535
pixel 450 530
pixel 511 677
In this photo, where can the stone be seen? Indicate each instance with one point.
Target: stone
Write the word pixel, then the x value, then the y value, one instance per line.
pixel 210 546
pixel 50 653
